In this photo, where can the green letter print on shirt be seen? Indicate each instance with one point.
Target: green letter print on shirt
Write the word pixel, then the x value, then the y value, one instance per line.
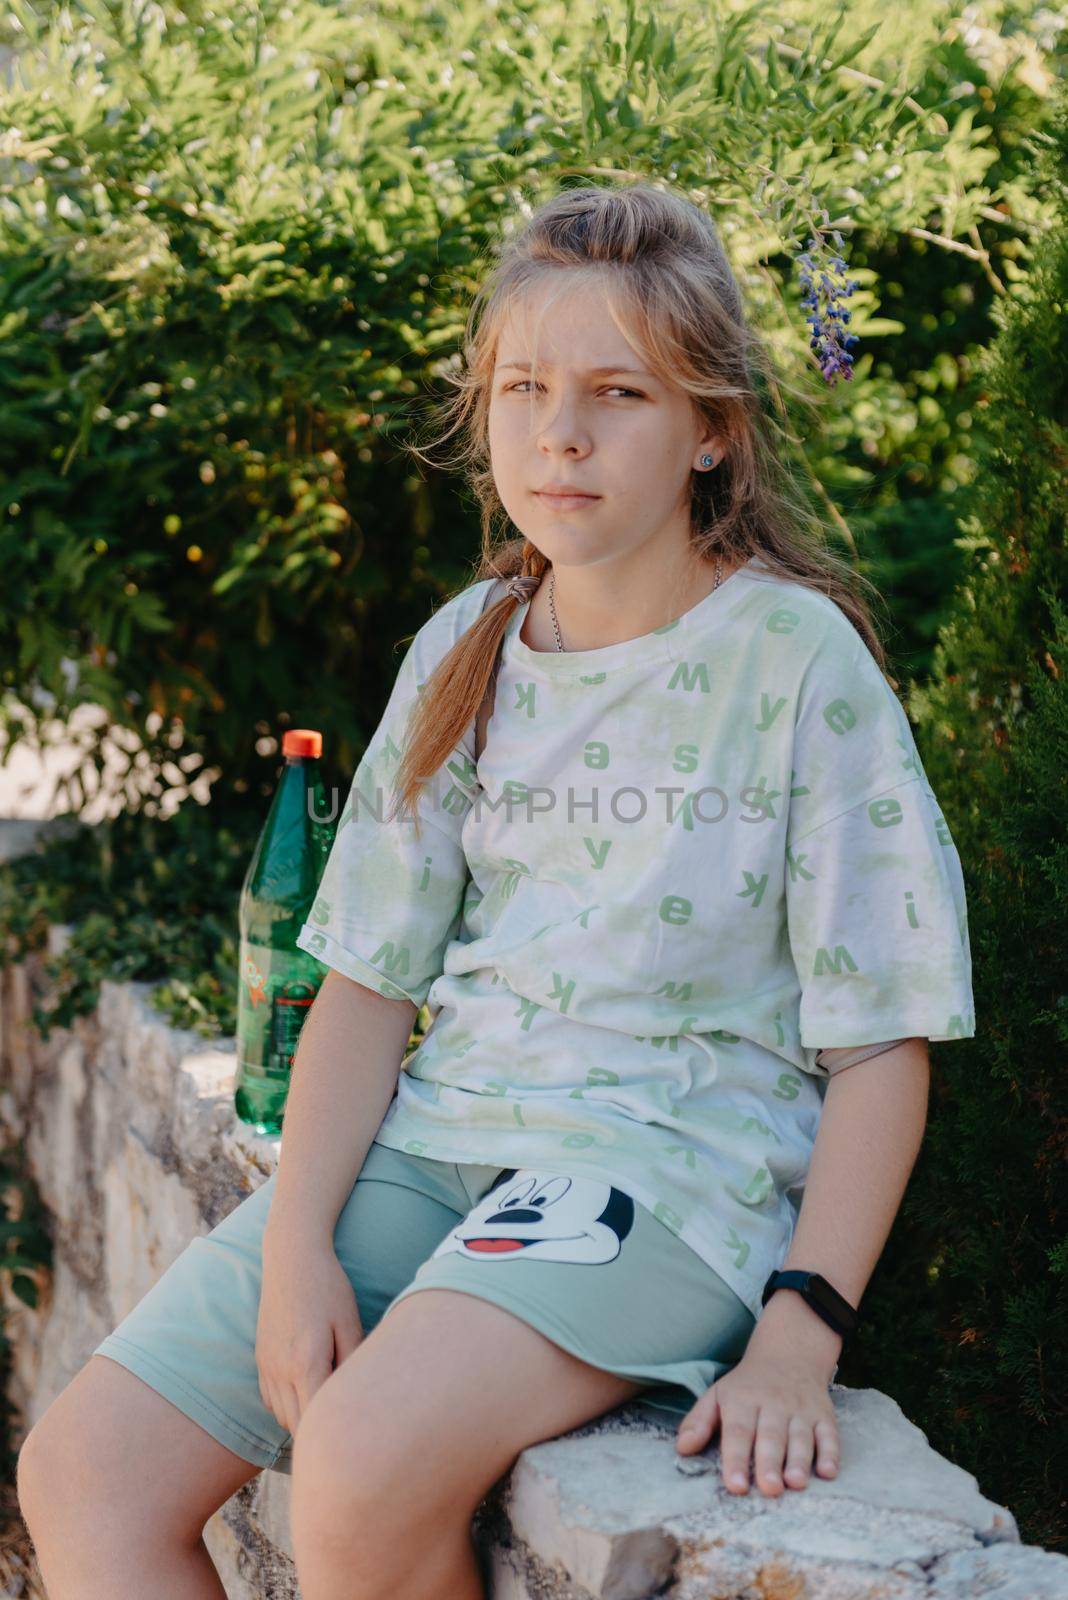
pixel 886 813
pixel 676 991
pixel 507 884
pixel 596 1077
pixel 753 886
pixel 562 991
pixel 826 965
pixel 769 712
pixel 764 801
pixel 671 1219
pixel 598 853
pixel 787 1086
pixel 676 910
pixel 691 677
pixel 525 698
pixel 910 763
pixel 839 716
pixel 317 944
pixel 796 865
pixel 738 1245
pixel 758 1188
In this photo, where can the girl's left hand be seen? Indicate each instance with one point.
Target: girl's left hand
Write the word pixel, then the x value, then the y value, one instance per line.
pixel 782 1404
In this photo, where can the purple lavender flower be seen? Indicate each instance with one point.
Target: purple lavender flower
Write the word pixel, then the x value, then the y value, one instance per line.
pixel 823 275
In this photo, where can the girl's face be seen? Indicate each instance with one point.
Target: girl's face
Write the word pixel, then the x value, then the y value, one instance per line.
pixel 625 436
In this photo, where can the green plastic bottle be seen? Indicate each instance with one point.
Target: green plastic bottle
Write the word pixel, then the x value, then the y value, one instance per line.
pixel 277 982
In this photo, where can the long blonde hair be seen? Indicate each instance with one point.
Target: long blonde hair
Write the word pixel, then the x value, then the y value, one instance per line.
pixel 670 289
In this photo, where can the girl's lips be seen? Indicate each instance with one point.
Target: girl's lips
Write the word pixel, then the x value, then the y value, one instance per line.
pixel 567 502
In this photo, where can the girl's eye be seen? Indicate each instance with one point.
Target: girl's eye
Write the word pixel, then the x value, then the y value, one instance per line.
pixel 615 386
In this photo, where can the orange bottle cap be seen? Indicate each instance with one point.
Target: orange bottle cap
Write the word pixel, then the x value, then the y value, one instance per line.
pixel 302 742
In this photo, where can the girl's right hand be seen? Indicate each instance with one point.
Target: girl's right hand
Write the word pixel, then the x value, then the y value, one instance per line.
pixel 308 1324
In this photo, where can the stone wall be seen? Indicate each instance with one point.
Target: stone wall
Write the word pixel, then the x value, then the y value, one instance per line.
pixel 133 1142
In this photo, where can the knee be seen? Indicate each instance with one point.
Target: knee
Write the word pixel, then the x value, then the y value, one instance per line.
pixel 26 1476
pixel 357 1491
pixel 340 1477
pixel 42 1470
pixel 61 1479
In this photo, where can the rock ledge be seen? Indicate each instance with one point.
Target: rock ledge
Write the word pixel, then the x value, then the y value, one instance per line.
pixel 131 1136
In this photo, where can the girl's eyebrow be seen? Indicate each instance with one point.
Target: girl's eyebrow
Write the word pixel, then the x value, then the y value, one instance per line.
pixel 592 372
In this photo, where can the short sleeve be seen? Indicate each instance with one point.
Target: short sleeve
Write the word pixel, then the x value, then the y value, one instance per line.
pixel 388 903
pixel 876 908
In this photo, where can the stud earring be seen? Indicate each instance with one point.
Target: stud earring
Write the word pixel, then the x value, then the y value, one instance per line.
pixel 706 461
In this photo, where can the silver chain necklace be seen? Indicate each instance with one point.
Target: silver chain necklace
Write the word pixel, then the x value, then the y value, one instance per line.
pixel 552 599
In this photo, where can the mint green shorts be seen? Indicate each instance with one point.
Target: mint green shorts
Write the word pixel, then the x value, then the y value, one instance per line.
pixel 572 1256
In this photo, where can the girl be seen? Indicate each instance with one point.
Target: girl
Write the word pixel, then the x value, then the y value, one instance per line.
pixel 684 928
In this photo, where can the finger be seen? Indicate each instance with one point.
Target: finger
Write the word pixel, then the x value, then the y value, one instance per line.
pixel 269 1396
pixel 309 1382
pixel 348 1335
pixel 770 1450
pixel 799 1452
pixel 290 1407
pixel 700 1422
pixel 827 1447
pixel 737 1436
pixel 278 1407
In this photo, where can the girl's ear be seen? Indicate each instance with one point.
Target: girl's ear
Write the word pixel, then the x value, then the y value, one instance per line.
pixel 714 447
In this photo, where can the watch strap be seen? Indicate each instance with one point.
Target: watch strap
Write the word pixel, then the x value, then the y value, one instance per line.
pixel 839 1314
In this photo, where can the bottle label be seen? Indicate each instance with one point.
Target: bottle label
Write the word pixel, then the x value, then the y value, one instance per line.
pixel 272 1005
pixel 289 1008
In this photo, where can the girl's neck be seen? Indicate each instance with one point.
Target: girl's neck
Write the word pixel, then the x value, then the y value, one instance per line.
pixel 611 623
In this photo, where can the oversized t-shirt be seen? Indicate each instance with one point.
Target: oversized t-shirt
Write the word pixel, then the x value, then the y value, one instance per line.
pixel 684 864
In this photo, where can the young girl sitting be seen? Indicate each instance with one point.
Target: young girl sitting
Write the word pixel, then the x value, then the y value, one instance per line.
pixel 684 928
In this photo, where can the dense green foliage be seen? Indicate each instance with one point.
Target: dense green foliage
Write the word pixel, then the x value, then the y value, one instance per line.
pixel 977 1266
pixel 144 899
pixel 237 250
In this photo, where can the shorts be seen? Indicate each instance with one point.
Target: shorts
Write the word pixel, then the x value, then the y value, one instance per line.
pixel 572 1256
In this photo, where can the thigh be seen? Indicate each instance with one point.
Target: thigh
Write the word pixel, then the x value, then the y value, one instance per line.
pixel 112 1459
pixel 595 1271
pixel 552 1300
pixel 192 1337
pixel 434 1407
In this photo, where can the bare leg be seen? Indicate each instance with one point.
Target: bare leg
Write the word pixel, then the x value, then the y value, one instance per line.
pixel 449 1570
pixel 116 1484
pixel 400 1444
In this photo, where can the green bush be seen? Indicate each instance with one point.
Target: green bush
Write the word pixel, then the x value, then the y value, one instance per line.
pixel 969 1304
pixel 237 251
pixel 145 899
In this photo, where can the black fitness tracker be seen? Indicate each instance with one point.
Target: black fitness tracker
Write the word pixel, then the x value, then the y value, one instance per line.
pixel 824 1299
